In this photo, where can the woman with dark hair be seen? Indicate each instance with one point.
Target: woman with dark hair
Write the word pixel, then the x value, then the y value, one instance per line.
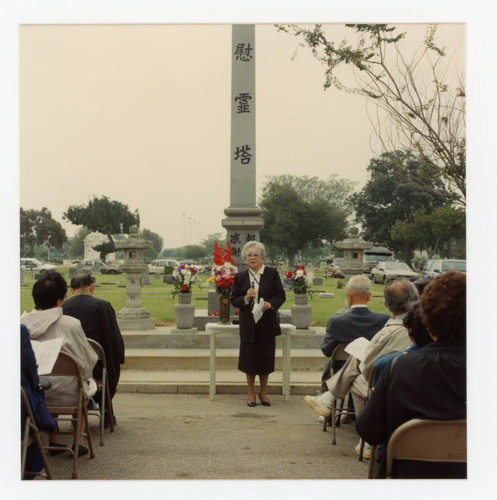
pixel 257 339
pixel 428 383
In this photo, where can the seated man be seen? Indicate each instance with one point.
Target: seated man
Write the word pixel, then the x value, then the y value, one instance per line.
pixel 98 320
pixel 47 322
pixel 428 383
pixel 417 333
pixel 393 337
pixel 359 321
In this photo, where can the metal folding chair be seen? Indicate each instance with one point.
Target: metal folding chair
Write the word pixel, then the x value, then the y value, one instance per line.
pixel 103 387
pixel 31 435
pixel 68 366
pixel 428 441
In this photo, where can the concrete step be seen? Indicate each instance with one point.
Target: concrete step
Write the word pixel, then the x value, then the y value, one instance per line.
pixel 198 359
pixel 197 382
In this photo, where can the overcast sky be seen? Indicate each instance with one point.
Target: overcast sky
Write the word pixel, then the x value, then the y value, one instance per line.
pixel 141 113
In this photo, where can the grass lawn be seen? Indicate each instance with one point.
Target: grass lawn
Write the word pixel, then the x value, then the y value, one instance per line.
pixel 157 298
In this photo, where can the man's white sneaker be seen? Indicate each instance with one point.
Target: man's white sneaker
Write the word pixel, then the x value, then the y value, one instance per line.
pixel 318 405
pixel 366 453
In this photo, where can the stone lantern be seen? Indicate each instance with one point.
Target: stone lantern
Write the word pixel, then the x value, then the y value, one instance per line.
pixel 133 316
pixel 353 253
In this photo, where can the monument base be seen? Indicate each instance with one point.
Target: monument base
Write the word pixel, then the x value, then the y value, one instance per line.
pixel 182 331
pixel 138 318
pixel 136 324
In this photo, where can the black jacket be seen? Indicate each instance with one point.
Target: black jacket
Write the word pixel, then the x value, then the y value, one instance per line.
pixel 99 323
pixel 355 323
pixel 271 290
pixel 426 383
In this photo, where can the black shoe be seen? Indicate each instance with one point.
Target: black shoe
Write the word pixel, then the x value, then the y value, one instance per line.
pixel 252 404
pixel 264 403
pixel 82 450
pixel 62 447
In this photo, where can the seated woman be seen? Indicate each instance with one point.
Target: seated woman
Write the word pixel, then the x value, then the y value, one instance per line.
pixel 428 383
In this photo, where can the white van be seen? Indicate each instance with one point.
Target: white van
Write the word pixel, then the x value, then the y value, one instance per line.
pixel 157 266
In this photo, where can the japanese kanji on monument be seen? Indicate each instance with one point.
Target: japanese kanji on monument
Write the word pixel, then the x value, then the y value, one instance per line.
pixel 243 221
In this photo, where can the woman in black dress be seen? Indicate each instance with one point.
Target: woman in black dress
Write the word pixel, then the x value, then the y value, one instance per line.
pixel 257 340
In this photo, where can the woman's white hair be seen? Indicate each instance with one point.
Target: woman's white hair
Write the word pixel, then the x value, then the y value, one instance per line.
pixel 252 244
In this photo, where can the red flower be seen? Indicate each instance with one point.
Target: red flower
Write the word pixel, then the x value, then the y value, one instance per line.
pixel 216 313
pixel 289 274
pixel 209 314
pixel 237 313
pixel 184 288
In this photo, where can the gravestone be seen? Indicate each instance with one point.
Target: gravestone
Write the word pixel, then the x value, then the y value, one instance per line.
pixel 96 268
pixel 23 279
pixel 243 221
pixel 145 277
pixel 317 281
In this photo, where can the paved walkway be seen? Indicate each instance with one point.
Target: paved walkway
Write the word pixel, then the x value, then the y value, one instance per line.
pixel 184 436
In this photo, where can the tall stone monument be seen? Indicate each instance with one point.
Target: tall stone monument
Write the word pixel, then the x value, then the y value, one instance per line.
pixel 243 219
pixel 134 316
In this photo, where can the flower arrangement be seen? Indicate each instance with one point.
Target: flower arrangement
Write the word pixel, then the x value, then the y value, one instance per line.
pixel 184 277
pixel 298 281
pixel 223 271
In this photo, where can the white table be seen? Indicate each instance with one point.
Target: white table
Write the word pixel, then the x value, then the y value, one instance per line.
pixel 215 329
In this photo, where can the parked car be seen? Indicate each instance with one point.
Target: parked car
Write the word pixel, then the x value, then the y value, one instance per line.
pixel 35 265
pixel 105 268
pixel 158 265
pixel 387 271
pixel 374 256
pixel 434 268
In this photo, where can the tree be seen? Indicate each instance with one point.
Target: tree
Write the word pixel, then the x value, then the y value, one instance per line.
pixel 436 232
pixel 301 212
pixel 393 194
pixel 37 227
pixel 194 252
pixel 208 243
pixel 103 216
pixel 77 245
pixel 157 244
pixel 419 110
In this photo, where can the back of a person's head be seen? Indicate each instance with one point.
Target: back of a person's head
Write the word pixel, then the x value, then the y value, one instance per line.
pixel 82 280
pixel 417 330
pixel 443 306
pixel 359 285
pixel 48 290
pixel 420 285
pixel 399 294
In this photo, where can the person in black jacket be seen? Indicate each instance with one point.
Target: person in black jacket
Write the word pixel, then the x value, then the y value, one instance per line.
pixel 257 340
pixel 99 323
pixel 359 321
pixel 427 383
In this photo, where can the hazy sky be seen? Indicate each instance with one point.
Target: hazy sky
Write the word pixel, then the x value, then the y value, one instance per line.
pixel 141 113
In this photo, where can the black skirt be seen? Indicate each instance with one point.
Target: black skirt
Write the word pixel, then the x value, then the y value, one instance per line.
pixel 257 358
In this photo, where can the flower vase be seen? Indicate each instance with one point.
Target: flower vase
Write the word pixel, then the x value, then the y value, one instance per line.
pixel 224 309
pixel 301 312
pixel 184 311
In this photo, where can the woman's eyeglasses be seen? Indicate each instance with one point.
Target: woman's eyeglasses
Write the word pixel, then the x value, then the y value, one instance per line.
pixel 253 255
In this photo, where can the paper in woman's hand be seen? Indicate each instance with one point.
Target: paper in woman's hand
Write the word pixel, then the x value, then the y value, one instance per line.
pixel 257 310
